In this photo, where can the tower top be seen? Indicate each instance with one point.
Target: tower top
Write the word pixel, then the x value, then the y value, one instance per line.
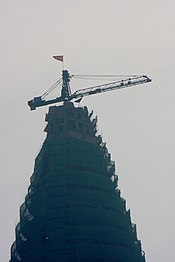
pixel 71 121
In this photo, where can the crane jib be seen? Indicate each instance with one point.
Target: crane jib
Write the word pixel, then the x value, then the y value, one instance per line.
pixel 111 86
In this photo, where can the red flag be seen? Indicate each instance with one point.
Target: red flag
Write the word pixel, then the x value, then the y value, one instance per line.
pixel 58 57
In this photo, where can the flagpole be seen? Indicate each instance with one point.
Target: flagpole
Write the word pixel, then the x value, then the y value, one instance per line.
pixel 61 59
pixel 63 65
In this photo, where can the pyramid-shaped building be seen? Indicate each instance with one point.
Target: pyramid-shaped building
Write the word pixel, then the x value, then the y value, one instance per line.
pixel 73 211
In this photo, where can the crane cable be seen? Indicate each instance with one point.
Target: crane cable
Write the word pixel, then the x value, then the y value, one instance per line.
pixel 92 77
pixel 51 88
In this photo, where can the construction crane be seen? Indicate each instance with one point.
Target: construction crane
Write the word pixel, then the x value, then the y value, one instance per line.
pixel 67 96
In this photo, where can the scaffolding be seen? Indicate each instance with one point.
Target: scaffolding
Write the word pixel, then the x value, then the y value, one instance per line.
pixel 73 210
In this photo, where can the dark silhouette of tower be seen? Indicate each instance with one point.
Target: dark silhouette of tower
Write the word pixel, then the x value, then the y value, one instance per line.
pixel 73 210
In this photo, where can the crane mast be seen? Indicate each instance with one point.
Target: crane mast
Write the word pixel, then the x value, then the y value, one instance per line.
pixel 66 94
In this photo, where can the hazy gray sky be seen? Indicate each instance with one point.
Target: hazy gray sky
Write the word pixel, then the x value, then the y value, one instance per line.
pixel 96 37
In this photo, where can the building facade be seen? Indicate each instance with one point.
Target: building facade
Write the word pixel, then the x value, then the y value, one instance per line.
pixel 73 210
